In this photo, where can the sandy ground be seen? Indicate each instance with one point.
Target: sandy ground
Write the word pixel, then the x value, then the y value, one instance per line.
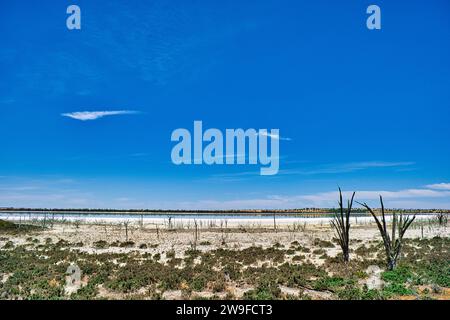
pixel 161 239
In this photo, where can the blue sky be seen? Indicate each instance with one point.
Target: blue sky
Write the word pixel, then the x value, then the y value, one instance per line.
pixel 365 110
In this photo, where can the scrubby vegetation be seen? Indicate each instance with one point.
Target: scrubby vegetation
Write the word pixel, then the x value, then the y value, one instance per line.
pixel 36 270
pixel 35 266
pixel 9 227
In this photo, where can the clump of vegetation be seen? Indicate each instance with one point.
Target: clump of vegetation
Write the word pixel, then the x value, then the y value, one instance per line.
pixel 219 285
pixel 397 281
pixel 157 257
pixel 323 243
pixel 7 225
pixel 278 245
pixel 115 244
pixel 127 244
pixel 330 283
pixel 265 290
pixel 101 244
pixel 8 245
pixel 298 257
pixel 442 218
pixel 10 227
pixel 170 254
pixel 319 251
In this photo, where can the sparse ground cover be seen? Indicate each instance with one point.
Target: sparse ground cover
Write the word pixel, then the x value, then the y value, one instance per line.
pixel 240 263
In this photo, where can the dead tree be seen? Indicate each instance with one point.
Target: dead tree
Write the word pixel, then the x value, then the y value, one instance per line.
pixel 125 224
pixel 195 235
pixel 393 243
pixel 341 223
pixel 441 219
pixel 274 222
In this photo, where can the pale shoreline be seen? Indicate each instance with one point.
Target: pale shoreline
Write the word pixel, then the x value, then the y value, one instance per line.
pixel 190 220
pixel 237 236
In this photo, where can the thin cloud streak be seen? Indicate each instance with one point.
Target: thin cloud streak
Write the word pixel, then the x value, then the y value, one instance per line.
pixel 326 169
pixel 93 115
pixel 273 136
pixel 438 186
pixel 407 198
pixel 58 197
pixel 346 168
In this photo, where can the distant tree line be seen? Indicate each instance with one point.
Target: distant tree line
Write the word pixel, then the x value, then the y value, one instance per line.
pixel 240 211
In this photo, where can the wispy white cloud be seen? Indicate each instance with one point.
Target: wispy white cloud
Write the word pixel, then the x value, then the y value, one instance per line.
pixel 60 192
pixel 273 136
pixel 324 169
pixel 44 193
pixel 60 198
pixel 405 198
pixel 93 115
pixel 347 167
pixel 374 195
pixel 438 186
